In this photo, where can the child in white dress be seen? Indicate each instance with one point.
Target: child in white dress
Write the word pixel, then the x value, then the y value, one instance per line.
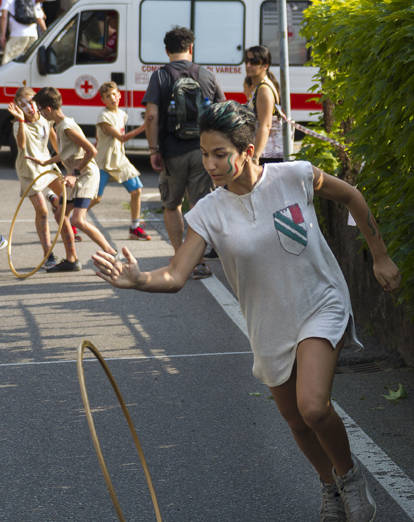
pixel 32 134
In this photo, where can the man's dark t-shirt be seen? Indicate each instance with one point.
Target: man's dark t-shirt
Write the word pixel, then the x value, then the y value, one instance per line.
pixel 159 92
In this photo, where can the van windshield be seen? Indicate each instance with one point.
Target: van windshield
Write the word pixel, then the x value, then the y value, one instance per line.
pixel 23 57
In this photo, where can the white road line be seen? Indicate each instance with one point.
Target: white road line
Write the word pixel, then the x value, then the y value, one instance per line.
pixel 131 358
pixel 395 482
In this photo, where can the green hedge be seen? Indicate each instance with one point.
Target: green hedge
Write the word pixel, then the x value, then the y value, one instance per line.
pixel 364 50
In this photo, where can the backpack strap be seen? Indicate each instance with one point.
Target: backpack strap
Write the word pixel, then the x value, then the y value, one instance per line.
pixel 271 87
pixel 193 72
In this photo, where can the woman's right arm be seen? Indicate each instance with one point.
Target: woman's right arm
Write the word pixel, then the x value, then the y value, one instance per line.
pixel 169 279
pixel 265 102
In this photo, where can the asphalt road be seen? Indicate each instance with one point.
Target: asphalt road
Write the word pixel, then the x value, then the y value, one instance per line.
pixel 215 444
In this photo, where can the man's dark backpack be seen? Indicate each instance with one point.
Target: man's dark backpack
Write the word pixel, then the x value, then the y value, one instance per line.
pixel 186 103
pixel 24 12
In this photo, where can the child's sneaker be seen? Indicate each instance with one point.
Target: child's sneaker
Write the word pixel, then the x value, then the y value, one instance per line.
pixel 332 507
pixel 66 266
pixel 51 261
pixel 353 488
pixel 138 233
pixel 3 242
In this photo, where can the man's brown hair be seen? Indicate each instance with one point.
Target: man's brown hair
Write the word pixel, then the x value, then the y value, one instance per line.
pixel 48 97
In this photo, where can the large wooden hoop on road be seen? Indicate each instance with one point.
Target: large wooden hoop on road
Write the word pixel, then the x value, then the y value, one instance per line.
pixel 81 376
pixel 22 275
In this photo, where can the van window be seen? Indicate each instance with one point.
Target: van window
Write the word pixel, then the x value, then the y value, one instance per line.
pixel 218 27
pixel 219 34
pixel 98 37
pixel 157 18
pixel 62 50
pixel 270 35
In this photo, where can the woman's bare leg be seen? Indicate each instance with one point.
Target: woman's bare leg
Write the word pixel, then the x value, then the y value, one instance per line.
pixel 316 362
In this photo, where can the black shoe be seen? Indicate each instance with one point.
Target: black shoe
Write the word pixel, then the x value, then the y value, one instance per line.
pixel 51 261
pixel 211 255
pixel 66 266
pixel 201 271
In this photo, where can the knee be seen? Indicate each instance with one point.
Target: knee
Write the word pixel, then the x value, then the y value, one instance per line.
pixel 294 420
pixel 42 214
pixel 136 193
pixel 97 200
pixel 314 413
pixel 77 221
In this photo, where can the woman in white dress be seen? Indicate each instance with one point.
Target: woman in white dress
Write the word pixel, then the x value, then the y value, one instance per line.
pixel 262 223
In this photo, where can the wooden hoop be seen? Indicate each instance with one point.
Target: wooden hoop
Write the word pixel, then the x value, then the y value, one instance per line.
pixel 22 275
pixel 81 376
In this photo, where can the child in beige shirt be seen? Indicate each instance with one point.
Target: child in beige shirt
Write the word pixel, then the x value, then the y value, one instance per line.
pixel 82 174
pixel 111 158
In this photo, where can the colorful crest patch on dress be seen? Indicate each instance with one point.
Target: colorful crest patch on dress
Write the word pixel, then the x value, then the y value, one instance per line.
pixel 291 228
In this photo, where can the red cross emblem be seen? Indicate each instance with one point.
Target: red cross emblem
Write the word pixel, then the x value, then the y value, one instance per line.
pixel 86 86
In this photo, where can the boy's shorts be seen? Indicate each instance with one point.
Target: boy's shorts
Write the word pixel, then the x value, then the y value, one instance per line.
pixel 77 202
pixel 130 184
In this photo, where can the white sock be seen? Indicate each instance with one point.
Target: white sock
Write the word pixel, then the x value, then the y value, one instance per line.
pixel 134 223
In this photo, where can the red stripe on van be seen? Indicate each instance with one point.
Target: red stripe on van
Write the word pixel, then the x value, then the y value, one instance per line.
pixel 298 101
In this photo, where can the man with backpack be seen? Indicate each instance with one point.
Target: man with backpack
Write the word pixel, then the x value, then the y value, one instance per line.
pixel 21 18
pixel 175 96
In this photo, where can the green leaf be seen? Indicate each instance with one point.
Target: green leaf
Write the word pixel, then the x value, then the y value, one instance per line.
pixel 396 395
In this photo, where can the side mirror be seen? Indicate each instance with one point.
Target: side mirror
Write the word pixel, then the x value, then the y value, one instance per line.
pixel 42 60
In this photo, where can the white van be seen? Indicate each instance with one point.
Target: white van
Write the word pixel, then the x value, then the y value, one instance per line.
pixel 101 40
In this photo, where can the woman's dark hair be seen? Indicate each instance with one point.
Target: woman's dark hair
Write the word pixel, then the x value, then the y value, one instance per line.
pixel 262 53
pixel 235 121
pixel 178 40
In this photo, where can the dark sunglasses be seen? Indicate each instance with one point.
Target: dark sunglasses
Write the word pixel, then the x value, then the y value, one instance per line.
pixel 253 61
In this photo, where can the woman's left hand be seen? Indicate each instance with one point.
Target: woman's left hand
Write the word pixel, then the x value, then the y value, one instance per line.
pixel 387 273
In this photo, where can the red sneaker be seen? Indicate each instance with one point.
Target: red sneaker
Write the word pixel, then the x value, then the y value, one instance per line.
pixel 138 233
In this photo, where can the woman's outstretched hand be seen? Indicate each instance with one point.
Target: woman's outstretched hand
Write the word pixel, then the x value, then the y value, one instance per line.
pixel 117 273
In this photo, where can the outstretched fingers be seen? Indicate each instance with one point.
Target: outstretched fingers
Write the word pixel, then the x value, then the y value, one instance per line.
pixel 103 261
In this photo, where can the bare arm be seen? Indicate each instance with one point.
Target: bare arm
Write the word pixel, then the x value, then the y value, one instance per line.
pixel 53 140
pixel 330 187
pixel 264 107
pixel 151 132
pixel 79 139
pixel 3 28
pixel 168 279
pixel 110 130
pixel 19 115
pixel 135 132
pixel 42 24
